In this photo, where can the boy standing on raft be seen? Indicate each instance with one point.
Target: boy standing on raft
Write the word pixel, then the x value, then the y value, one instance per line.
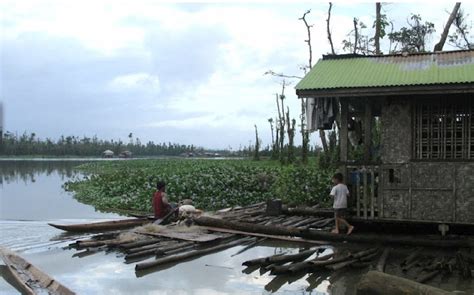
pixel 340 192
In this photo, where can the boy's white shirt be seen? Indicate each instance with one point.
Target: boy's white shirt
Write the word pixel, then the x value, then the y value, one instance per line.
pixel 340 193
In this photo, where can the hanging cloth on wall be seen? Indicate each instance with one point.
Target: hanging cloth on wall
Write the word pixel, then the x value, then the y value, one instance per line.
pixel 321 113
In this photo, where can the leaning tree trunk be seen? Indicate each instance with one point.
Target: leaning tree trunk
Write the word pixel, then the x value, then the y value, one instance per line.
pixel 439 46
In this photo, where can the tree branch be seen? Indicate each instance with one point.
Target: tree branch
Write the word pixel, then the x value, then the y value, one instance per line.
pixel 328 28
pixel 308 41
pixel 281 75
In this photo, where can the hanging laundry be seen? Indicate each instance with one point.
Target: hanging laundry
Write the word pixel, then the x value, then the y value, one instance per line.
pixel 321 112
pixel 355 131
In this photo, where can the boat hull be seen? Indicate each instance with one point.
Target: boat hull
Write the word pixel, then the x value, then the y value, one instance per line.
pixel 102 226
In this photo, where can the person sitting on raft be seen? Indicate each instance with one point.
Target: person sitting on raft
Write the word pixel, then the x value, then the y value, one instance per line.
pixel 161 205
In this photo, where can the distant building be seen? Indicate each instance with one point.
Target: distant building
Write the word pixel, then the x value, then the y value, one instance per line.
pixel 108 154
pixel 423 105
pixel 125 154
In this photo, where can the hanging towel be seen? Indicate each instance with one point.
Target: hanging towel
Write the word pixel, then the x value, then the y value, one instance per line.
pixel 311 114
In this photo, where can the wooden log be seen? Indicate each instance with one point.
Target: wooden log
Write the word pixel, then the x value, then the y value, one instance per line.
pixel 341 265
pixel 321 223
pixel 463 266
pixel 383 260
pixel 178 258
pixel 299 266
pixel 137 244
pixel 280 258
pixel 378 283
pixel 411 257
pixel 308 211
pixel 351 259
pixel 322 262
pixel 249 246
pixel 148 247
pixel 306 222
pixel 428 276
pixel 280 238
pixel 414 263
pixel 326 236
pixel 156 250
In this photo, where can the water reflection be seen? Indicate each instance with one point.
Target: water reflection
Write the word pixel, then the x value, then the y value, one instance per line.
pixel 27 171
pixel 32 190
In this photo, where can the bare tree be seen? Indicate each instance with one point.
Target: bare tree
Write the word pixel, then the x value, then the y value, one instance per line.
pixel 444 35
pixel 328 20
pixel 322 134
pixel 256 155
pixel 378 26
pixel 270 120
pixel 308 41
pixel 290 128
pixel 356 34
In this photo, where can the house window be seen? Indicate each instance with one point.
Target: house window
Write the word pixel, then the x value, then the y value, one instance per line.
pixel 444 129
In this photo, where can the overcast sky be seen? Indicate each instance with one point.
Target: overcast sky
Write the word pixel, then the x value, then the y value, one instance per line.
pixel 188 73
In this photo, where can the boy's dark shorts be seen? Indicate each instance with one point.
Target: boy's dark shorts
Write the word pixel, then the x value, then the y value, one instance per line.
pixel 340 212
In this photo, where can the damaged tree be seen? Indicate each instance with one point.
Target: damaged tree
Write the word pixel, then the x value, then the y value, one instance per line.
pixel 444 35
pixel 322 134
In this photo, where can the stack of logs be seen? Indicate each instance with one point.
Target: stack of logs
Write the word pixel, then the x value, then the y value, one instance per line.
pixel 250 225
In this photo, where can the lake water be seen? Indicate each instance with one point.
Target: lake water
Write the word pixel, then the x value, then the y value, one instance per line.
pixel 31 195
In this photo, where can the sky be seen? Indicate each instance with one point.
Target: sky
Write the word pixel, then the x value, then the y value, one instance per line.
pixel 191 73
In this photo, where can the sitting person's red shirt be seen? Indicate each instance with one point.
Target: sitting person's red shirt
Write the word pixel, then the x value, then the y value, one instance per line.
pixel 160 208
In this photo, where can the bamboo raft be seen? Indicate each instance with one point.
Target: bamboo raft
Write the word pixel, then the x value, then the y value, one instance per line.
pixel 30 279
pixel 249 226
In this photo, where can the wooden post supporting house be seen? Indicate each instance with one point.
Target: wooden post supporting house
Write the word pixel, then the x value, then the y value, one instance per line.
pixel 406 134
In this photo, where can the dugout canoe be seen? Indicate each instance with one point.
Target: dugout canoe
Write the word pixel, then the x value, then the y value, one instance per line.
pixel 30 279
pixel 103 225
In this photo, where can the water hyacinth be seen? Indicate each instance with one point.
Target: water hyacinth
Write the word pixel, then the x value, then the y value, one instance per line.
pixel 211 184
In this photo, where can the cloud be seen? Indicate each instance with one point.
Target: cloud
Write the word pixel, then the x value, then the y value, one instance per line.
pixel 190 73
pixel 140 82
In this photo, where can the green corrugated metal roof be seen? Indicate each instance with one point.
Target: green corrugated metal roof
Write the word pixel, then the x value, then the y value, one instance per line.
pixel 391 70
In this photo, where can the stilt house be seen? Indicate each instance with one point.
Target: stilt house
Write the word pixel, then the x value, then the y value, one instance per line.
pixel 406 133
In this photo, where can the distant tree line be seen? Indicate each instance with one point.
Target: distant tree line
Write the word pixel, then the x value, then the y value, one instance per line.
pixel 29 144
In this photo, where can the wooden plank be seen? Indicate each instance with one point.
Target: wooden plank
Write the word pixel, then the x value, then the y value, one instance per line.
pixel 198 236
pixel 274 237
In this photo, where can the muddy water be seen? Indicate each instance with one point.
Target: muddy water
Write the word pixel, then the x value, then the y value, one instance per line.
pixel 31 195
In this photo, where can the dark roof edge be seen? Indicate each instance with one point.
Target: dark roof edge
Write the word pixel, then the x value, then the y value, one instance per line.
pixel 355 55
pixel 388 90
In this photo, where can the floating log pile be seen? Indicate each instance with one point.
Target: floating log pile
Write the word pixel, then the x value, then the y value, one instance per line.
pixel 250 226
